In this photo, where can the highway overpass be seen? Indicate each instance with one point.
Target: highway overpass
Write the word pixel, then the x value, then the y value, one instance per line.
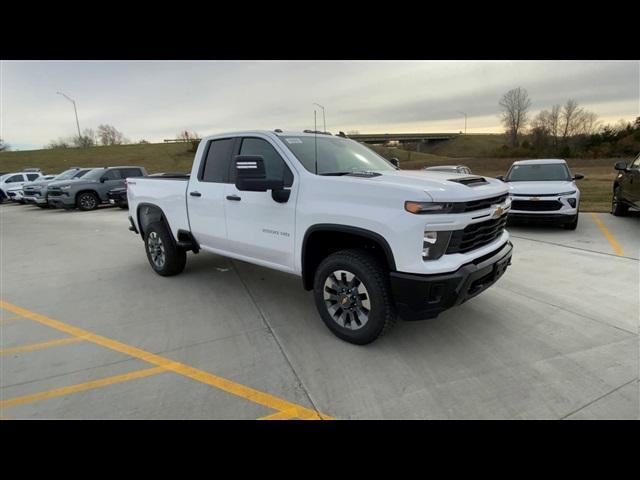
pixel 416 138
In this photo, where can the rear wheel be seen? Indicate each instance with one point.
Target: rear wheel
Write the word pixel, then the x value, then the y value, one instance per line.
pixel 87 201
pixel 618 208
pixel 353 296
pixel 164 256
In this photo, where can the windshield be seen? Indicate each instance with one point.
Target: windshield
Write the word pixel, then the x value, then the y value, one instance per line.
pixel 94 174
pixel 335 155
pixel 541 172
pixel 67 174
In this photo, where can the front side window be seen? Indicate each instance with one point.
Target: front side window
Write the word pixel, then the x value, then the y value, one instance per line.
pixel 274 165
pixel 335 155
pixel 15 179
pixel 216 166
pixel 131 172
pixel 112 175
pixel 541 172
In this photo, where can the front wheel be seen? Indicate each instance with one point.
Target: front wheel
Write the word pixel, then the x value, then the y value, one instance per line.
pixel 87 201
pixel 164 256
pixel 618 208
pixel 353 296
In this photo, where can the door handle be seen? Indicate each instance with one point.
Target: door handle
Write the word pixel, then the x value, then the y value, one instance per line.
pixel 235 198
pixel 195 194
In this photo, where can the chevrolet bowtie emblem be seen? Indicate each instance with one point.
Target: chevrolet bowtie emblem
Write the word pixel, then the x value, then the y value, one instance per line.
pixel 497 213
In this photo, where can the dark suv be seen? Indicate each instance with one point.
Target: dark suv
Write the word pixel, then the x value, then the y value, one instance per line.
pixel 626 187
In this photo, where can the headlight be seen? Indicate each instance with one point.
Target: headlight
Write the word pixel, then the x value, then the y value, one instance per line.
pixel 434 244
pixel 65 187
pixel 427 207
pixel 566 193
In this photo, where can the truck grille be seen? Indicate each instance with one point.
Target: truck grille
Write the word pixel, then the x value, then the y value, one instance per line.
pixel 476 235
pixel 481 204
pixel 54 193
pixel 536 205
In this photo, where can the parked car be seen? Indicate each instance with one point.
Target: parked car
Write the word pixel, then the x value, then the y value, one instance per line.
pixel 118 196
pixel 450 168
pixel 91 190
pixel 16 194
pixel 371 241
pixel 626 187
pixel 16 179
pixel 36 192
pixel 543 191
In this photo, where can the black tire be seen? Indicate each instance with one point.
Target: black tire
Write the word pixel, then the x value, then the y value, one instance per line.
pixel 42 205
pixel 571 225
pixel 373 279
pixel 159 240
pixel 2 196
pixel 618 208
pixel 123 206
pixel 87 201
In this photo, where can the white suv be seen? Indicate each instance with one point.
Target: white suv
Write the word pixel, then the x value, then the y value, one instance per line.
pixel 17 179
pixel 544 191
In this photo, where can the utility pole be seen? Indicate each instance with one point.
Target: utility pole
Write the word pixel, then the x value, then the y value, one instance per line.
pixel 75 110
pixel 465 122
pixel 324 120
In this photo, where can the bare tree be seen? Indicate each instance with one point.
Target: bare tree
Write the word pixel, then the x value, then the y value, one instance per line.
pixel 60 143
pixel 515 104
pixel 109 135
pixel 4 147
pixel 187 136
pixel 86 140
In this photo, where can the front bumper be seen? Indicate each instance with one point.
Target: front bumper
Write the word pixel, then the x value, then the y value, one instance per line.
pixel 541 217
pixel 34 199
pixel 419 297
pixel 61 201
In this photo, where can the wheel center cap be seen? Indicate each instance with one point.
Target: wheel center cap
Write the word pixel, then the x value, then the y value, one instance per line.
pixel 345 301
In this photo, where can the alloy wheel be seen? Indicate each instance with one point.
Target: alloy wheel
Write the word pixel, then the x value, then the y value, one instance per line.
pixel 347 299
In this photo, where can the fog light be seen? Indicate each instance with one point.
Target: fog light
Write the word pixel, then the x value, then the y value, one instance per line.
pixel 572 202
pixel 430 239
pixel 434 244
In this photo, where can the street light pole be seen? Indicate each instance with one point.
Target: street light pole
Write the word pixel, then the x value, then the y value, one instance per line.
pixel 75 110
pixel 324 121
pixel 465 122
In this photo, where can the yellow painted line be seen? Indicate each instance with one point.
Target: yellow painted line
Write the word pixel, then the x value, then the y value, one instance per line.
pixel 612 241
pixel 39 346
pixel 278 416
pixel 248 393
pixel 80 387
pixel 4 320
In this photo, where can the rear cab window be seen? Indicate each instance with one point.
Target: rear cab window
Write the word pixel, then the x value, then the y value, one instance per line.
pixel 217 160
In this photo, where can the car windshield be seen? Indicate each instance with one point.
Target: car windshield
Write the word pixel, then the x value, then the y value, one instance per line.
pixel 539 172
pixel 94 174
pixel 67 174
pixel 336 156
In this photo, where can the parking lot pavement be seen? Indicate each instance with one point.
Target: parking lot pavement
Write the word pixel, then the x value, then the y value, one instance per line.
pixel 557 337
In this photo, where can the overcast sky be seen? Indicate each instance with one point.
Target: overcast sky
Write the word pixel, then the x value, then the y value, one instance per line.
pixel 155 100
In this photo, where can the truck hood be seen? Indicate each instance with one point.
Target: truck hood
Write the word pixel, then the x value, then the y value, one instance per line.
pixel 440 186
pixel 541 188
pixel 74 181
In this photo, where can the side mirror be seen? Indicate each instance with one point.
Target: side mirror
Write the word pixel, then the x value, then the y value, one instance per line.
pixel 500 177
pixel 251 175
pixel 103 179
pixel 395 162
pixel 620 166
pixel 578 176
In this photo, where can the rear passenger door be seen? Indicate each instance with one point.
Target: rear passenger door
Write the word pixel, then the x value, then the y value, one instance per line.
pixel 206 192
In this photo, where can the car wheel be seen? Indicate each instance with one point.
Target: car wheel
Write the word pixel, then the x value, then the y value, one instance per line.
pixel 573 224
pixel 618 208
pixel 164 256
pixel 353 296
pixel 42 205
pixel 87 201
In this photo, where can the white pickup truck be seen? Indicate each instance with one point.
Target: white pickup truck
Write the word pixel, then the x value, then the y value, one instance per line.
pixel 373 242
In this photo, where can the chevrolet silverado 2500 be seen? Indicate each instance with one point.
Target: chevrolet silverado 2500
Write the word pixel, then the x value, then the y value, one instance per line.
pixel 372 242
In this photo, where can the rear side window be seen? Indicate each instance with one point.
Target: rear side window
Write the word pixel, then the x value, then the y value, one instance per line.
pixel 32 176
pixel 274 165
pixel 131 172
pixel 216 167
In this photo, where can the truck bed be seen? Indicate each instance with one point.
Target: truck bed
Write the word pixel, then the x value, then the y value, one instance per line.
pixel 167 191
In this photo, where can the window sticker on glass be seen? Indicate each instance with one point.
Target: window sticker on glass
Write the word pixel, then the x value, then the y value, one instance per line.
pixel 293 140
